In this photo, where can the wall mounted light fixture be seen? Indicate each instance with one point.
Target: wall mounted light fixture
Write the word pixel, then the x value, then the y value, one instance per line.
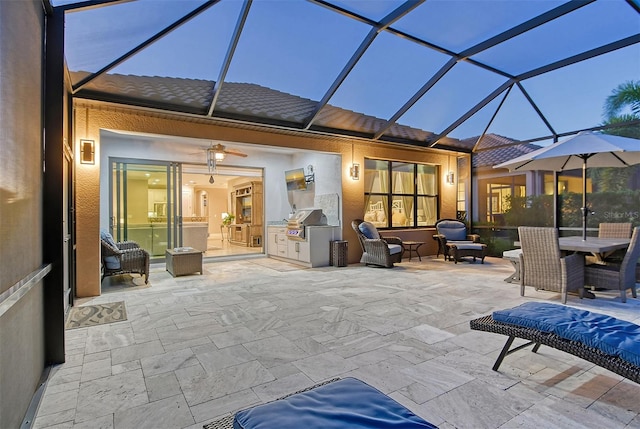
pixel 87 152
pixel 354 170
pixel 451 178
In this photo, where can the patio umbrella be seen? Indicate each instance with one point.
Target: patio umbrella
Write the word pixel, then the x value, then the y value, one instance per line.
pixel 598 150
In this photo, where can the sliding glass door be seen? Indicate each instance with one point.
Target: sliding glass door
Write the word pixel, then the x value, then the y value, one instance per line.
pixel 146 204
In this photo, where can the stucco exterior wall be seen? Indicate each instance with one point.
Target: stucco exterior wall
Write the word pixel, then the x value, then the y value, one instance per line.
pixel 21 324
pixel 91 117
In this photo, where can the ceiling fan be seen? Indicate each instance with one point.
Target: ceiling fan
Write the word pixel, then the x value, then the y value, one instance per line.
pixel 217 153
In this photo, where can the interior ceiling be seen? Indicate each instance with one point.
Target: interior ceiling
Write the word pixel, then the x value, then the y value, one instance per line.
pixel 423 73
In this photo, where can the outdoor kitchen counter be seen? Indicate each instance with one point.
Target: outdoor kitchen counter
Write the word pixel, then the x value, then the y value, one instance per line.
pixel 313 251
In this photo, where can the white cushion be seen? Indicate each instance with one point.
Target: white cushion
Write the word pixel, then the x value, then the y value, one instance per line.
pixel 469 246
pixel 394 248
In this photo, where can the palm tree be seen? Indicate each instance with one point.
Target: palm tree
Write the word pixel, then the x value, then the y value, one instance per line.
pixel 622 106
pixel 625 96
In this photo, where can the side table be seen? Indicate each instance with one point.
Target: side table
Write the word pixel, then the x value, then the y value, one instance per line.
pixel 182 262
pixel 412 246
pixel 513 256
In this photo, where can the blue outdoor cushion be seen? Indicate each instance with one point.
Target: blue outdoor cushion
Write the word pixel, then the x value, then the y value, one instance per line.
pixel 345 404
pixel 612 336
pixel 112 262
pixel 369 230
pixel 104 235
pixel 452 230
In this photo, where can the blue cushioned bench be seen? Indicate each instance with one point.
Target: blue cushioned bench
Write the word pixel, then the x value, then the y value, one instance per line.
pixel 611 343
pixel 344 404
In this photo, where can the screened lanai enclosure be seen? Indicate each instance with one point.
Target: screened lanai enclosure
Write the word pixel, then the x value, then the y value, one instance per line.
pixel 495 79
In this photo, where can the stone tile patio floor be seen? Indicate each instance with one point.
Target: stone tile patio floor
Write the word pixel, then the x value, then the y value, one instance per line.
pixel 197 348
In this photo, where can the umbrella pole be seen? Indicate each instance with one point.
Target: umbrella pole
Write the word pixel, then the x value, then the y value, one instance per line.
pixel 585 211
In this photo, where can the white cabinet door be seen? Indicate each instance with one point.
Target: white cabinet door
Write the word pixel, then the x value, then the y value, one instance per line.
pixel 272 245
pixel 304 251
pixel 299 250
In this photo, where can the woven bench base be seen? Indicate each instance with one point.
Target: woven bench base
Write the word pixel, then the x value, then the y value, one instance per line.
pixel 536 338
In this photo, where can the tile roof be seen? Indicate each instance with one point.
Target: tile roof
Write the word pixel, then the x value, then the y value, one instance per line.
pixel 487 157
pixel 239 100
pixel 248 100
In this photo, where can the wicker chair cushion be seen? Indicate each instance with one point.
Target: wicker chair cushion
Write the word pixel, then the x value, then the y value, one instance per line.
pixel 369 230
pixel 452 230
pixel 467 245
pixel 612 336
pixel 394 248
pixel 108 238
pixel 112 262
pixel 347 403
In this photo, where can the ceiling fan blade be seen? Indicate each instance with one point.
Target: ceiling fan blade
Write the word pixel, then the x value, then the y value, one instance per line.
pixel 235 152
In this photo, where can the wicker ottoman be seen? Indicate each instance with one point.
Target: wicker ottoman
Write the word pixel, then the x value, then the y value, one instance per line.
pixel 460 250
pixel 182 262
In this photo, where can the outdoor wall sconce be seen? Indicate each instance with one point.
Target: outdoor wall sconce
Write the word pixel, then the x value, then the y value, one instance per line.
pixel 451 178
pixel 354 171
pixel 87 152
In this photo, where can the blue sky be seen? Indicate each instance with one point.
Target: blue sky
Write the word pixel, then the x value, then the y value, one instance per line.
pixel 299 47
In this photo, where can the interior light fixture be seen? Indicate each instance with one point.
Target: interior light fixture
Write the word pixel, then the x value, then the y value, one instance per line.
pixel 87 152
pixel 354 170
pixel 219 155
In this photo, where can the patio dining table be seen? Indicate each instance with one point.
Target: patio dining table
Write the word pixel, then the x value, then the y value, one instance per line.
pixel 598 247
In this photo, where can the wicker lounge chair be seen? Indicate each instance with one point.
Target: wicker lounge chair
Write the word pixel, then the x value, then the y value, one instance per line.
pixel 538 337
pixel 543 267
pixel 124 257
pixel 377 250
pixel 454 243
pixel 617 277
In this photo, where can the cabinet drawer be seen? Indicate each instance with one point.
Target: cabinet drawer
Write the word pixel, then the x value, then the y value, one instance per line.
pixel 282 251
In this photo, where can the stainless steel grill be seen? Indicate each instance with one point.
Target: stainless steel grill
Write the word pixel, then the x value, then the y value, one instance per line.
pixel 303 218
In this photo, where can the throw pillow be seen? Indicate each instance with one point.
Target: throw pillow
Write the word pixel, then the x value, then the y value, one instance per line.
pixel 369 230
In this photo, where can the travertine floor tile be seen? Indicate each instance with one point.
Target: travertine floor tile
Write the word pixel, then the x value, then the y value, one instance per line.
pixel 197 348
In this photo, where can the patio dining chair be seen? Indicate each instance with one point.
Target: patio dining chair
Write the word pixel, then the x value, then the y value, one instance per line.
pixel 617 276
pixel 612 230
pixel 543 267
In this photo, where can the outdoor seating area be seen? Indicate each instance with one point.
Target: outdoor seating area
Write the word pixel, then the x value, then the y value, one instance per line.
pixel 195 350
pixel 544 260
